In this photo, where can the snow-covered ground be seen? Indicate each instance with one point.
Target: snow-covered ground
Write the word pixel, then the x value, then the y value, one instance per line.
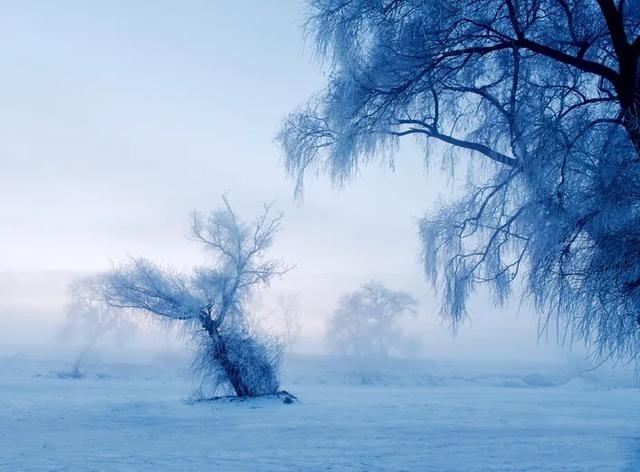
pixel 401 415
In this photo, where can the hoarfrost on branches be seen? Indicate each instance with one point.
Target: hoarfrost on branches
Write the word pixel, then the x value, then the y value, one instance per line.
pixel 548 93
pixel 213 299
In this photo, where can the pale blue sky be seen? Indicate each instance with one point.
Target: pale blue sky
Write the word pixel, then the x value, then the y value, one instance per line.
pixel 119 118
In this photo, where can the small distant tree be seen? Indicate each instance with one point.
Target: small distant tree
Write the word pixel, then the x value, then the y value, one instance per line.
pixel 289 309
pixel 213 299
pixel 89 319
pixel 365 321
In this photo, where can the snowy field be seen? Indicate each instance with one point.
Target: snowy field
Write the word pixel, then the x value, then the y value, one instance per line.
pixel 411 416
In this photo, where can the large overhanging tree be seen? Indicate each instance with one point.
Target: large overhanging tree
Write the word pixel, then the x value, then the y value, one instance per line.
pixel 543 97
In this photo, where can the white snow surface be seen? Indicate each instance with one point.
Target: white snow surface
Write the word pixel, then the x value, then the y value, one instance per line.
pixel 396 416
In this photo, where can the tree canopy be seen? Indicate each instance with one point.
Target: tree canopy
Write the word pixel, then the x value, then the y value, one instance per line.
pixel 548 93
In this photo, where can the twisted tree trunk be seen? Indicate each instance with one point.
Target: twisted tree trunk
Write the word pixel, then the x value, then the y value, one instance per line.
pixel 232 372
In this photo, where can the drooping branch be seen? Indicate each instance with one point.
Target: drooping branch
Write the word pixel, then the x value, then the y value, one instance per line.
pixel 548 89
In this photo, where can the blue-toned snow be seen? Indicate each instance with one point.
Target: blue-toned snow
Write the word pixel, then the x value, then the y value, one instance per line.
pixel 398 416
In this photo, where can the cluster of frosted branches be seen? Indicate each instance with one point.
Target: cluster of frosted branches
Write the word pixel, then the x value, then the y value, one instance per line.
pixel 213 299
pixel 548 92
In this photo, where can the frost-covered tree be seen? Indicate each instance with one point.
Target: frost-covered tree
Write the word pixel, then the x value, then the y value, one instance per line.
pixel 540 99
pixel 213 299
pixel 89 320
pixel 365 321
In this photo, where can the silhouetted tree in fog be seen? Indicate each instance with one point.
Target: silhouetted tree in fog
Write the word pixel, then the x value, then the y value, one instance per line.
pixel 289 309
pixel 365 321
pixel 89 319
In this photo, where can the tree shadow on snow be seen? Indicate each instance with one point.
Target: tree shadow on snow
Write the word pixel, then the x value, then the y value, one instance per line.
pixel 281 396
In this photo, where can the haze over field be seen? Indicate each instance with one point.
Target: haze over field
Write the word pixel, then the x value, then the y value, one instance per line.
pixel 346 235
pixel 121 118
